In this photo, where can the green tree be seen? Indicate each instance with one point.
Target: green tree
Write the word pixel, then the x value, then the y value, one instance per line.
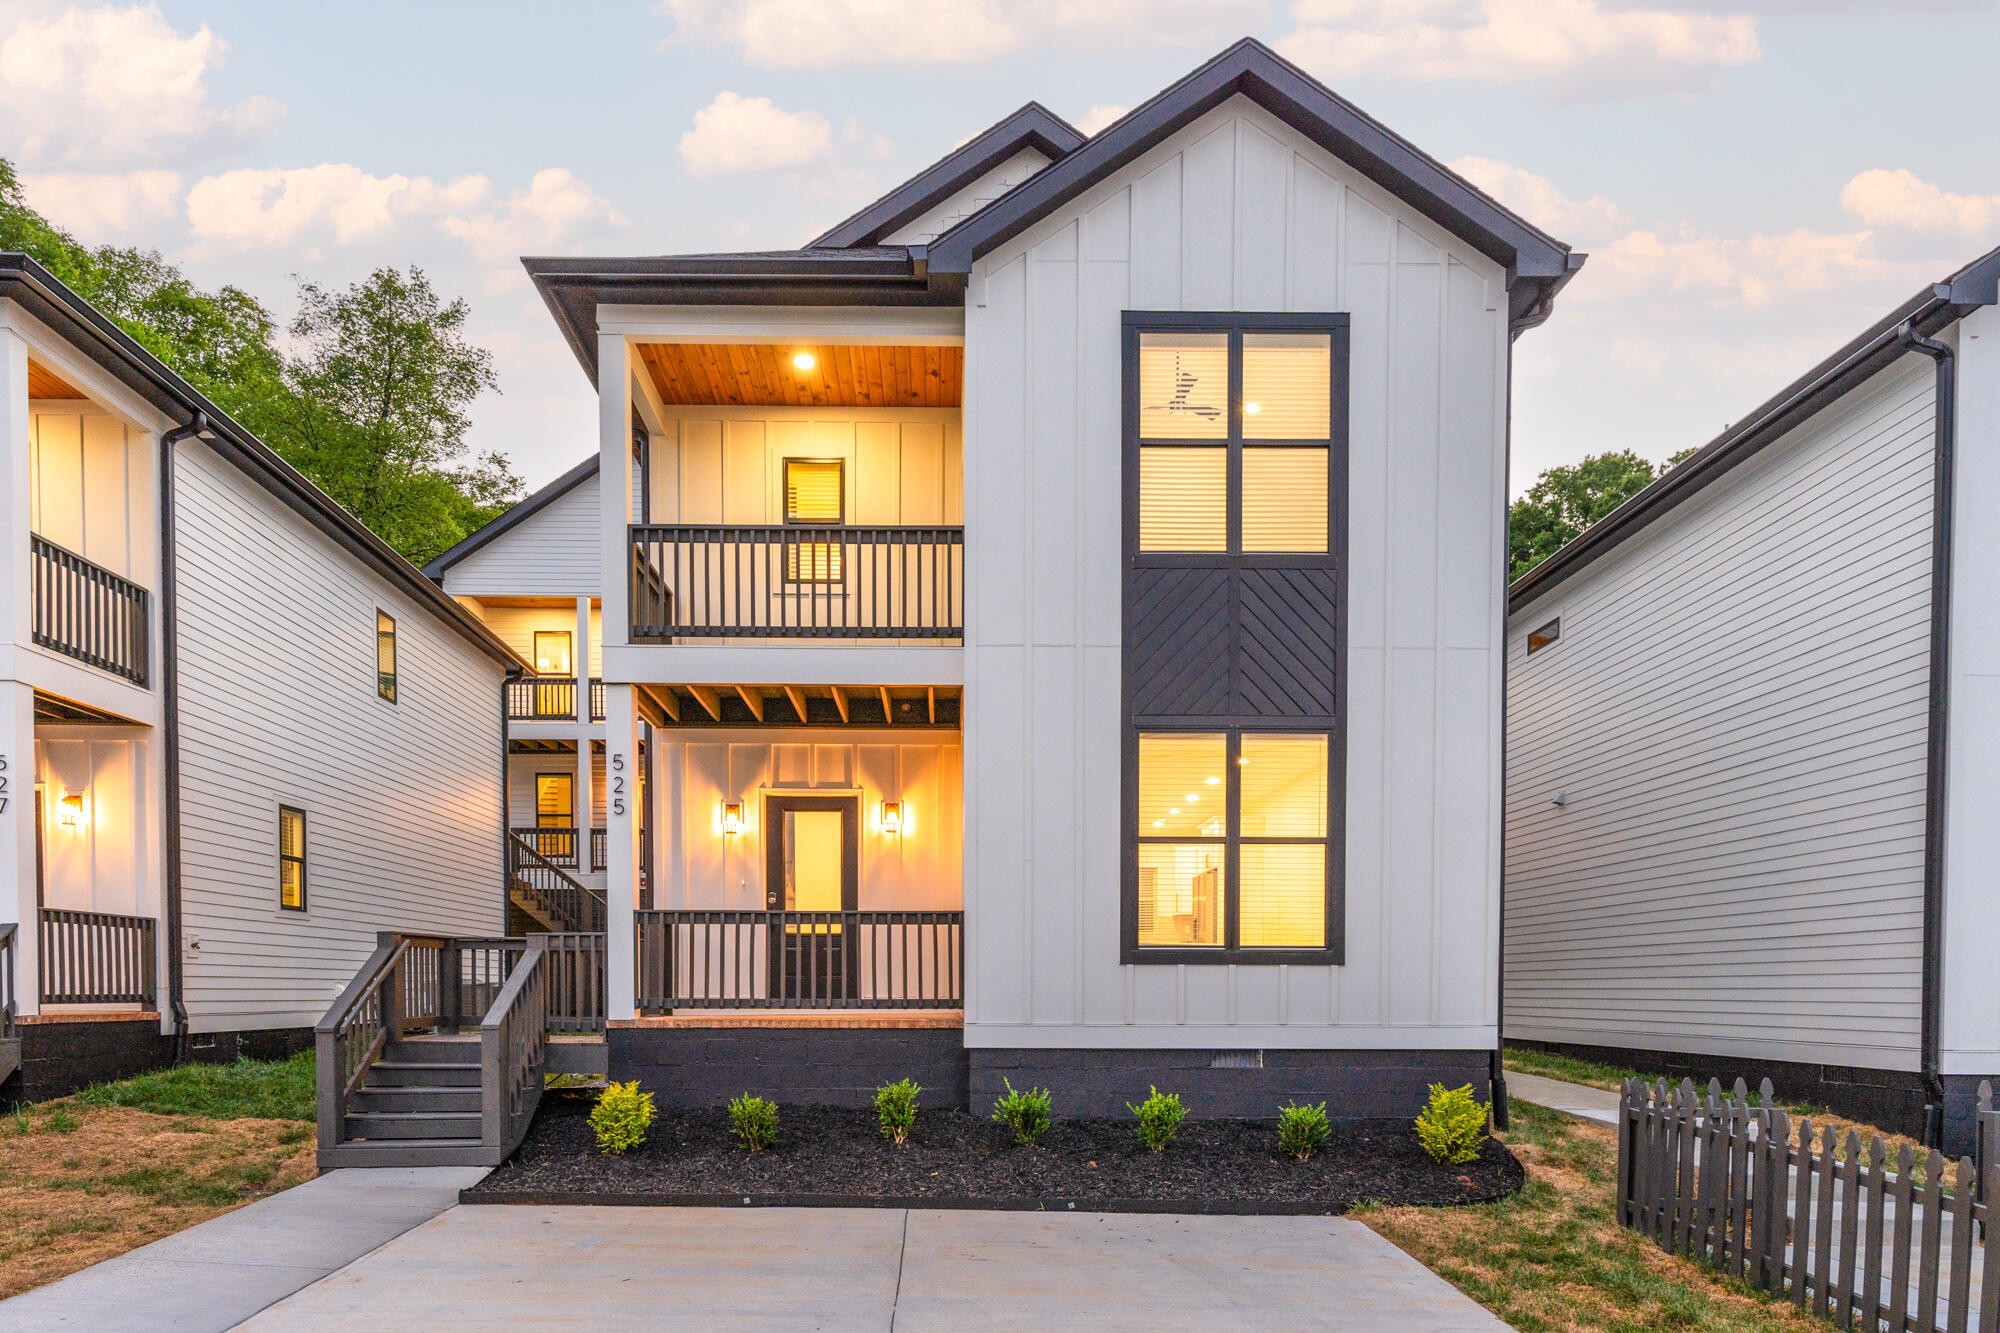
pixel 372 406
pixel 1566 500
pixel 381 384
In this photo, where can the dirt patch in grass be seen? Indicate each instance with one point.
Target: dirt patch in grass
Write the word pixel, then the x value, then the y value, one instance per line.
pixel 828 1154
pixel 81 1183
pixel 1552 1257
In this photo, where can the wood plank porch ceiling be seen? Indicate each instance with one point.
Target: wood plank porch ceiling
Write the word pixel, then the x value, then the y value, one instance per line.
pixel 45 383
pixel 763 374
pixel 777 706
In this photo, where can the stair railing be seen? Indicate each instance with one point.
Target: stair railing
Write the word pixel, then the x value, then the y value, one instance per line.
pixel 398 990
pixel 560 899
pixel 513 1051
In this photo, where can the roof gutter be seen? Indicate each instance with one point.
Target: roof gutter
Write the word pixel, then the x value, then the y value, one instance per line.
pixel 1945 427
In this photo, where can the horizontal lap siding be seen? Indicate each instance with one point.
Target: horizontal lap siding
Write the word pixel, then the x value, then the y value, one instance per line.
pixel 1737 711
pixel 554 552
pixel 1235 212
pixel 278 706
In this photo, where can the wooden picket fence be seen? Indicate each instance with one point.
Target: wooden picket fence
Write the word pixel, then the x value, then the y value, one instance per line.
pixel 1844 1229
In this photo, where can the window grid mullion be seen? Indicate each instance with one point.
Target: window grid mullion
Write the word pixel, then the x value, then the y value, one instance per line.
pixel 1231 827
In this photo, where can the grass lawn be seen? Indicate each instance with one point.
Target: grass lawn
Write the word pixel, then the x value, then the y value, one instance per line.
pixel 120 1164
pixel 1553 1258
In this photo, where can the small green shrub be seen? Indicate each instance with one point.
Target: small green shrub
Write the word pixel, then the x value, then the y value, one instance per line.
pixel 621 1117
pixel 1026 1113
pixel 896 1108
pixel 1302 1130
pixel 1160 1117
pixel 754 1122
pixel 1452 1126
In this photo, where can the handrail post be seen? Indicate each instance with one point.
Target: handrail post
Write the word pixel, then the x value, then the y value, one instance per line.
pixel 450 981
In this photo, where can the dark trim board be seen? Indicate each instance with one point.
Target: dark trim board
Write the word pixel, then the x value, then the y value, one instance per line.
pixel 59 1058
pixel 1250 1085
pixel 1890 1099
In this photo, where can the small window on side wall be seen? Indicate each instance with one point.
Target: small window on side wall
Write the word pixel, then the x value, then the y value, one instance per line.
pixel 385 655
pixel 1546 635
pixel 291 859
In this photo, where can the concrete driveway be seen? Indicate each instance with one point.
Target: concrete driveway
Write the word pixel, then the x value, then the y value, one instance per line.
pixel 492 1267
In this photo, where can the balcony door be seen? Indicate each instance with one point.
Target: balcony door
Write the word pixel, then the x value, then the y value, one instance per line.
pixel 555 817
pixel 812 864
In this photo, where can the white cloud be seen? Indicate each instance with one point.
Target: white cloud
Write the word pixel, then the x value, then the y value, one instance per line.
pixel 111 85
pixel 1753 271
pixel 104 207
pixel 733 135
pixel 1100 117
pixel 555 207
pixel 1904 200
pixel 1575 47
pixel 276 206
pixel 1537 199
pixel 820 34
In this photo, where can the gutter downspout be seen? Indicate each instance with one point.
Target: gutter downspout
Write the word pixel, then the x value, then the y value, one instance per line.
pixel 1942 481
pixel 170 721
pixel 1497 1073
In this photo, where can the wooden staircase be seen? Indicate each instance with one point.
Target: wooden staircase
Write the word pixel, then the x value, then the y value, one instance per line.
pixel 541 896
pixel 436 1053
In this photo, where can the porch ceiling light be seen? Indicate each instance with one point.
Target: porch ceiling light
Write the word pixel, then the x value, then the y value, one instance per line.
pixel 732 818
pixel 892 817
pixel 72 810
pixel 804 361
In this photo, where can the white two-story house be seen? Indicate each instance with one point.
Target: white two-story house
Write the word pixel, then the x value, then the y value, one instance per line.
pixel 239 735
pixel 1052 623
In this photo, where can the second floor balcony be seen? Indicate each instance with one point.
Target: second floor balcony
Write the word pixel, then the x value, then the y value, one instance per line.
pixel 85 611
pixel 791 581
pixel 551 699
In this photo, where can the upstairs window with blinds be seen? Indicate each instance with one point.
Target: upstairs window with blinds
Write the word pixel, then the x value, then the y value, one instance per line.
pixel 291 859
pixel 385 655
pixel 815 496
pixel 1235 442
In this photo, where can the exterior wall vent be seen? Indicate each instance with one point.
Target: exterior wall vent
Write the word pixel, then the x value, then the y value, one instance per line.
pixel 1236 1060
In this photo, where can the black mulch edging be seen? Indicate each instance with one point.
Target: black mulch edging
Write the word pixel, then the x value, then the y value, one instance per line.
pixel 836 1157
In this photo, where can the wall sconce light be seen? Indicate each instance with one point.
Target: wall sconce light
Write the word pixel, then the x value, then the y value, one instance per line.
pixel 72 810
pixel 732 818
pixel 892 817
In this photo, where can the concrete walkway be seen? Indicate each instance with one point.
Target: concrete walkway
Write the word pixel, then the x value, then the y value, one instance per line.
pixel 216 1275
pixel 1594 1104
pixel 490 1267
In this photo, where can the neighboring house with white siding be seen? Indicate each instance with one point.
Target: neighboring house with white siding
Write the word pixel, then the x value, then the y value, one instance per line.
pixel 1052 624
pixel 1752 721
pixel 239 735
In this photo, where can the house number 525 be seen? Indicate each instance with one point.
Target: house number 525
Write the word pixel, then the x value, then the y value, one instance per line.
pixel 618 784
pixel 6 782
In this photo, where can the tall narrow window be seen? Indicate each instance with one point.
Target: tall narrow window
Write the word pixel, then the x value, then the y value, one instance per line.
pixel 555 816
pixel 1236 460
pixel 291 859
pixel 815 496
pixel 385 655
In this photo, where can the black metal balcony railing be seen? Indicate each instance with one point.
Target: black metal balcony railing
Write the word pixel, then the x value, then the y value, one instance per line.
pixel 695 959
pixel 600 849
pixel 542 698
pixel 596 699
pixel 96 958
pixel 797 582
pixel 85 611
pixel 558 845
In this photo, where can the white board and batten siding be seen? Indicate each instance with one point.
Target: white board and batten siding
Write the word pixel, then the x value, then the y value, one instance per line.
pixel 553 553
pixel 1736 711
pixel 1236 212
pixel 278 706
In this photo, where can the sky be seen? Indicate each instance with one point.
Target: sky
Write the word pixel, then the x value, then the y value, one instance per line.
pixel 1755 180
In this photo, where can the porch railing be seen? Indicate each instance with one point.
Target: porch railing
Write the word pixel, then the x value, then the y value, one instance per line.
pixel 555 843
pixel 600 849
pixel 554 895
pixel 542 698
pixel 797 582
pixel 596 698
pixel 719 959
pixel 85 611
pixel 10 1007
pixel 96 958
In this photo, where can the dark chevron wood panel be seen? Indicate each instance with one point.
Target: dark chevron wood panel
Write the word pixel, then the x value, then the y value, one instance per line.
pixel 1179 653
pixel 1286 642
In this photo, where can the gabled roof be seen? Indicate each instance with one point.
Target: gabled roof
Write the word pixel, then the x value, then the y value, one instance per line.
pixel 86 328
pixel 1925 313
pixel 520 513
pixel 1033 126
pixel 872 274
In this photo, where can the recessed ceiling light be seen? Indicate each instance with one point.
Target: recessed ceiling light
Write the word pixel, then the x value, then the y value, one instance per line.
pixel 804 360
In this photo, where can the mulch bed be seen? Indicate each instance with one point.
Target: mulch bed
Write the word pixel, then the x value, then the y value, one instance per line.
pixel 836 1157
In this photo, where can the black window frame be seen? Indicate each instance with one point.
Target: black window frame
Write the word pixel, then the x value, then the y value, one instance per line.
pixel 569 651
pixel 794 549
pixel 1545 636
pixel 1233 726
pixel 305 893
pixel 386 681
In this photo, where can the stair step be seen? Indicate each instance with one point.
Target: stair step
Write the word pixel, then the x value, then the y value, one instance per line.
pixel 400 1125
pixel 371 1098
pixel 423 1073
